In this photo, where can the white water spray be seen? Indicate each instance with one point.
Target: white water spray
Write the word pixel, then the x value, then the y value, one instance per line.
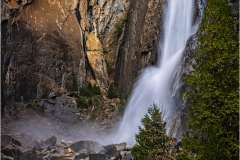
pixel 154 84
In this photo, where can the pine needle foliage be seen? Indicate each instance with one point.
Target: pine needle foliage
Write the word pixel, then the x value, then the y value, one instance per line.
pixel 112 92
pixel 214 88
pixel 152 143
pixel 74 84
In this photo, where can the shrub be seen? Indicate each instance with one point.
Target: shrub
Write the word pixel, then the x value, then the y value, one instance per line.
pixel 96 102
pixel 85 92
pixel 90 101
pixel 82 102
pixel 90 91
pixel 96 89
pixel 118 27
pixel 112 93
pixel 74 84
pixel 90 87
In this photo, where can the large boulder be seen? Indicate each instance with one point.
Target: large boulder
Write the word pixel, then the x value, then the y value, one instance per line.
pixel 63 107
pixel 90 146
pixel 5 140
pixel 121 146
pixel 50 142
pixel 126 155
pixel 12 152
pixel 110 150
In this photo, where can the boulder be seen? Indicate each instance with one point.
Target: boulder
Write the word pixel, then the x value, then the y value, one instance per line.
pixel 110 150
pixel 16 142
pixel 27 151
pixel 90 146
pixel 66 143
pixel 5 140
pixel 126 155
pixel 50 142
pixel 62 156
pixel 34 156
pixel 63 107
pixel 27 140
pixel 82 154
pixel 121 146
pixel 99 157
pixel 12 152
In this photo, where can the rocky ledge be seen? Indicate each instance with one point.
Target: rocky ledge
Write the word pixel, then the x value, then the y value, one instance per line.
pixel 28 149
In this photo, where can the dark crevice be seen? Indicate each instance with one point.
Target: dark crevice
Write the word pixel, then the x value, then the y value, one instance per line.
pixel 77 13
pixel 90 9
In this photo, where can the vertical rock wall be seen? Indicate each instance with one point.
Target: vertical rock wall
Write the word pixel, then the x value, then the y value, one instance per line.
pixel 139 45
pixel 42 47
pixel 45 43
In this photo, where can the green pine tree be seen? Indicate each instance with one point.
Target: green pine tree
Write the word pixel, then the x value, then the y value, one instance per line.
pixel 152 143
pixel 213 94
pixel 112 93
pixel 74 84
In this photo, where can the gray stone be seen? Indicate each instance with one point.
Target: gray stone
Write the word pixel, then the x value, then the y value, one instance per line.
pixel 5 140
pixel 90 146
pixel 110 150
pixel 27 140
pixel 62 156
pixel 63 107
pixel 121 146
pixel 99 157
pixel 126 155
pixel 17 142
pixel 50 142
pixel 82 154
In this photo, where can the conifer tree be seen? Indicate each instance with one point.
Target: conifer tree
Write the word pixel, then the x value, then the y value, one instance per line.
pixel 214 102
pixel 74 84
pixel 152 143
pixel 112 93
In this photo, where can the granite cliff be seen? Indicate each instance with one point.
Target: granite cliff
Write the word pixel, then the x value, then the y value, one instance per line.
pixel 45 43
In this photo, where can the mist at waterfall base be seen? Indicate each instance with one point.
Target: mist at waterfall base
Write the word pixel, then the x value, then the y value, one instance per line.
pixel 155 84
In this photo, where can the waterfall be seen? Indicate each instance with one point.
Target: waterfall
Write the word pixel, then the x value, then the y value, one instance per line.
pixel 156 83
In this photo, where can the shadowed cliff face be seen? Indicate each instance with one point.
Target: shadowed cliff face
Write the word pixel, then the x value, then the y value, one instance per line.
pixel 45 43
pixel 42 49
pixel 139 45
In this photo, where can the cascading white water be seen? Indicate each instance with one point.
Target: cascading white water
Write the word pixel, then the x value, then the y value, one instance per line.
pixel 154 84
